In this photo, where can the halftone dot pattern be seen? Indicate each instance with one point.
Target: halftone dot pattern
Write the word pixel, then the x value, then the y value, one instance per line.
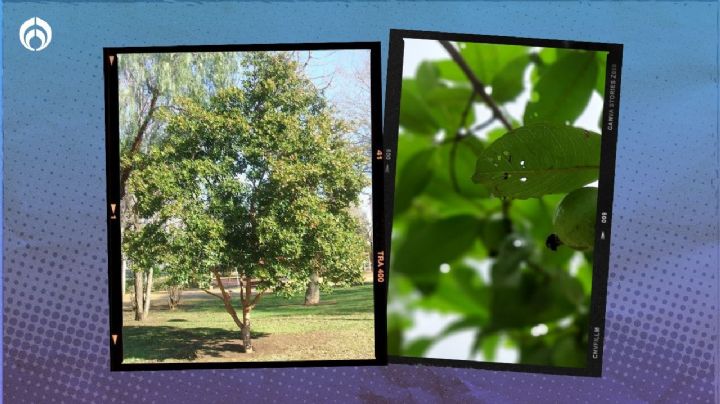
pixel 662 314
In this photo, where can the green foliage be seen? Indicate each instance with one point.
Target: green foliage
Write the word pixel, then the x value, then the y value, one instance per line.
pixel 168 77
pixel 475 204
pixel 428 244
pixel 564 89
pixel 539 159
pixel 259 178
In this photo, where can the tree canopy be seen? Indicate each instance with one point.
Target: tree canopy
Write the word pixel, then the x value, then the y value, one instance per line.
pixel 261 179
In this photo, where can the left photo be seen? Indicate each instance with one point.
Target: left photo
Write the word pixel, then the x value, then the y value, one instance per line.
pixel 241 205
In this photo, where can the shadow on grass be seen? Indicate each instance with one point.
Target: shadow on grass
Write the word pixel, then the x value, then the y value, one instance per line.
pixel 157 343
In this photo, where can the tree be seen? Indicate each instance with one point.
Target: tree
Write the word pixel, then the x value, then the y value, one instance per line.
pixel 259 180
pixel 149 85
pixel 350 86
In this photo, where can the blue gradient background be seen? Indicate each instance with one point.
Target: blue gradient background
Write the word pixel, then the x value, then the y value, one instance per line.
pixel 663 291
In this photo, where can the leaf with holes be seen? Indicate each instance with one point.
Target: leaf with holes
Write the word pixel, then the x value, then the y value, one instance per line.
pixel 539 159
pixel 564 89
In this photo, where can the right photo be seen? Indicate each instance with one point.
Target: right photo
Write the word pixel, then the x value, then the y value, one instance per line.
pixel 497 164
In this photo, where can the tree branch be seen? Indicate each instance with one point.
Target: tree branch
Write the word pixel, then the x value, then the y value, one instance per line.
pixel 256 299
pixel 226 300
pixel 476 83
pixel 213 294
pixel 137 142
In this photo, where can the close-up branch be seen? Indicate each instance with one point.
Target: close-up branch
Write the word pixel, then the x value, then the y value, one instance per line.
pixel 478 85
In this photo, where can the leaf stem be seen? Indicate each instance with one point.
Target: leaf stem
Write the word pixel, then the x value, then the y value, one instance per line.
pixel 476 83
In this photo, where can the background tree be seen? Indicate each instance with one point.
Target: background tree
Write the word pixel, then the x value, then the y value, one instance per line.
pixel 352 105
pixel 253 181
pixel 150 85
pixel 476 192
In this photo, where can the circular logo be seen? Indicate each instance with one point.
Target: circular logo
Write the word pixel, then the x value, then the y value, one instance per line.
pixel 35 34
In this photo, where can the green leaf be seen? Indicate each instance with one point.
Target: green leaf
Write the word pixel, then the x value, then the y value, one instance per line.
pixel 449 70
pixel 397 325
pixel 426 76
pixel 447 105
pixel 539 159
pixel 418 347
pixel 460 325
pixel 508 83
pixel 564 89
pixel 462 165
pixel 487 60
pixel 415 114
pixel 489 346
pixel 500 66
pixel 460 290
pixel 495 134
pixel 512 252
pixel 584 276
pixel 414 174
pixel 567 352
pixel 537 298
pixel 427 244
pixel 600 83
pixel 426 106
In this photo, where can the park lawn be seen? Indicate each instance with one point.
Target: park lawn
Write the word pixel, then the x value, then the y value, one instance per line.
pixel 200 330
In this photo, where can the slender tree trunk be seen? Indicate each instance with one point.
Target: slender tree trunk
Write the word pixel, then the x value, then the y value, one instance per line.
pixel 245 329
pixel 312 294
pixel 138 296
pixel 244 324
pixel 148 294
pixel 123 275
pixel 174 296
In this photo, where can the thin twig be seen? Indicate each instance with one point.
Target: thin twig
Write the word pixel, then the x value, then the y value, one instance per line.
pixel 257 297
pixel 483 125
pixel 476 83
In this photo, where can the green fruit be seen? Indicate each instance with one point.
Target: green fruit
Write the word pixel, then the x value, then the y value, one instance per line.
pixel 574 220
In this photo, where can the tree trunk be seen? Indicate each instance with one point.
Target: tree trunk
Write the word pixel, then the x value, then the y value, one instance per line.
pixel 247 306
pixel 138 306
pixel 148 295
pixel 312 294
pixel 245 329
pixel 245 332
pixel 174 296
pixel 123 275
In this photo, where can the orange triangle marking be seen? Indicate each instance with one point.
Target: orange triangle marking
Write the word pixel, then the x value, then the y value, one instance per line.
pixel 112 207
pixel 114 338
pixel 112 59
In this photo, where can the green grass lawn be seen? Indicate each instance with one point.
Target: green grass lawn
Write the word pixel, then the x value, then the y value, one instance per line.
pixel 200 330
